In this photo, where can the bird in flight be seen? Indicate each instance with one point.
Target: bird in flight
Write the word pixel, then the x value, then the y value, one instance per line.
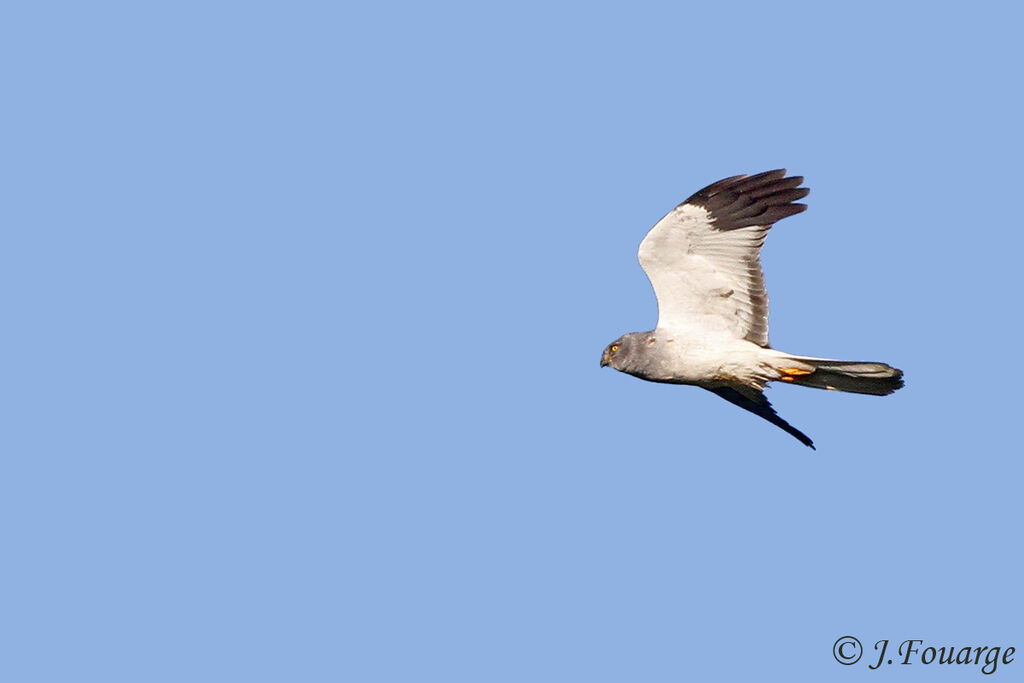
pixel 703 260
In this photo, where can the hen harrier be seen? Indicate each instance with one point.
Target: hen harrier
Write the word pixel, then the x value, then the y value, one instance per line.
pixel 703 260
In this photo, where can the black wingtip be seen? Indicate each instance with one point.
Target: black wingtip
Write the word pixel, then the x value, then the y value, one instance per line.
pixel 743 201
pixel 755 401
pixel 800 436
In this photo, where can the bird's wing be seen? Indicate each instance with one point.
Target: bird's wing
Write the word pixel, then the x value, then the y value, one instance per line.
pixel 756 402
pixel 703 258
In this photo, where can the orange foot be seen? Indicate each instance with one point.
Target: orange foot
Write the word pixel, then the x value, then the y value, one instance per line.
pixel 789 374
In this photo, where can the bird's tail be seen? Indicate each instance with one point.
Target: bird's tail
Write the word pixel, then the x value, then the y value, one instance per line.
pixel 858 377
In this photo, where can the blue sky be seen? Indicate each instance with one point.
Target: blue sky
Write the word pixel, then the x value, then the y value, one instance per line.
pixel 304 306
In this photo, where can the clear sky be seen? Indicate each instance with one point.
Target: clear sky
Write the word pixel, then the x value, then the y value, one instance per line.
pixel 304 305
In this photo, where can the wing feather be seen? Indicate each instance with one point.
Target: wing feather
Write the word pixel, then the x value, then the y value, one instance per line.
pixel 703 258
pixel 756 402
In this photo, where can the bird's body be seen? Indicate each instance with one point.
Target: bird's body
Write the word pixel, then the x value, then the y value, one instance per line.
pixel 703 260
pixel 679 356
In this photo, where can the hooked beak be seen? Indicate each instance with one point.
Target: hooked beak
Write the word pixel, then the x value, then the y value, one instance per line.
pixel 604 359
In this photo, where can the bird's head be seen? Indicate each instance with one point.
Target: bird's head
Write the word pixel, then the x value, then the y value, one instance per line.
pixel 620 351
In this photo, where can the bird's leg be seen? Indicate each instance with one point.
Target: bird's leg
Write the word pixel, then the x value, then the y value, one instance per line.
pixel 789 374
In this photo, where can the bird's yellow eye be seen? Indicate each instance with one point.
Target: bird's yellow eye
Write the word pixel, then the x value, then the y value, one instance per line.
pixel 615 347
